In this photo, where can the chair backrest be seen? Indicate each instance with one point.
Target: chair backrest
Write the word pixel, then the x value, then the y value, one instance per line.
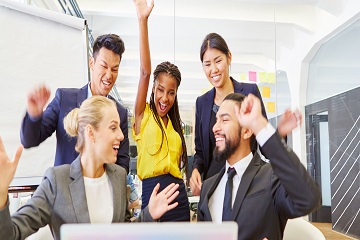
pixel 299 227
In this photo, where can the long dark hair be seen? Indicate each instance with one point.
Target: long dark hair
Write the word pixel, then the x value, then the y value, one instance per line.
pixel 214 40
pixel 173 113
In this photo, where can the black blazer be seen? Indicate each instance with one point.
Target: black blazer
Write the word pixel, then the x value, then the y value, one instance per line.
pixel 33 133
pixel 269 193
pixel 204 105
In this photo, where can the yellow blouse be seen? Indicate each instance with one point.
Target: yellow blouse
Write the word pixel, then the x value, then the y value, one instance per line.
pixel 151 161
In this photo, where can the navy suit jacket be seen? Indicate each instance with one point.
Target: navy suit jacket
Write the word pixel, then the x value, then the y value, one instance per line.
pixel 33 133
pixel 204 106
pixel 269 193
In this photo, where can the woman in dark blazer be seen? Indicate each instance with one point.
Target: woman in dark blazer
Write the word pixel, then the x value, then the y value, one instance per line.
pixel 216 59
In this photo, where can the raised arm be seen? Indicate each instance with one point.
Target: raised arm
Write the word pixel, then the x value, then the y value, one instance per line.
pixel 143 13
pixel 297 193
pixel 37 124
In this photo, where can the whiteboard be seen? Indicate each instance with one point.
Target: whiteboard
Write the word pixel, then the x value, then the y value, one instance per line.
pixel 36 46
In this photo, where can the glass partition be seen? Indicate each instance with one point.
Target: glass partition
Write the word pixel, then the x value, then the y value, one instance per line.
pixel 251 40
pixel 334 88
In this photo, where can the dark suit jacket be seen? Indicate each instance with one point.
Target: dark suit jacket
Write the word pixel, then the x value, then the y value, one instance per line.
pixel 269 193
pixel 35 132
pixel 60 199
pixel 204 105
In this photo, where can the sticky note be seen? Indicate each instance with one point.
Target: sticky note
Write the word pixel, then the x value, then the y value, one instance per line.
pixel 265 92
pixel 271 78
pixel 252 76
pixel 271 107
pixel 242 76
pixel 263 76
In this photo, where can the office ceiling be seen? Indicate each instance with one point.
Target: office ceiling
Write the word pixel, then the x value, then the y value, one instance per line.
pixel 256 31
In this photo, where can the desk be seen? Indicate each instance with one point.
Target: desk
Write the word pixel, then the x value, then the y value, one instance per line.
pixel 24 184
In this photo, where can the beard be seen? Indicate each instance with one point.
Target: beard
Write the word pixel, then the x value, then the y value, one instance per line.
pixel 230 147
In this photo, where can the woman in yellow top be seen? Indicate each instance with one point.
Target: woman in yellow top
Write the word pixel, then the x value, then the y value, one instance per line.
pixel 157 125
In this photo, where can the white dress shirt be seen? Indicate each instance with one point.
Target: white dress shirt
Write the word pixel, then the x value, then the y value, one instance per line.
pixel 99 196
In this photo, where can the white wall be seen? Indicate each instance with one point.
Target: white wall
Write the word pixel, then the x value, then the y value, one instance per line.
pixel 37 46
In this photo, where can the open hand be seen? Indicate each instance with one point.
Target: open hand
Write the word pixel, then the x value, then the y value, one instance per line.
pixel 289 121
pixel 36 100
pixel 7 171
pixel 142 8
pixel 159 203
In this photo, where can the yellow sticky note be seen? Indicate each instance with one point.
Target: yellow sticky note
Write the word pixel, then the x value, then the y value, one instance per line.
pixel 265 92
pixel 263 76
pixel 271 107
pixel 242 76
pixel 271 77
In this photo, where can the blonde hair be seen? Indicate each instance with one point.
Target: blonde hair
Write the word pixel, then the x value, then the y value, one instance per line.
pixel 89 113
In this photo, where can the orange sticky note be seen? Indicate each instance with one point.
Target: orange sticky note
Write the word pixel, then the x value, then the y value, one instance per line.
pixel 271 78
pixel 265 92
pixel 262 76
pixel 252 76
pixel 242 76
pixel 271 107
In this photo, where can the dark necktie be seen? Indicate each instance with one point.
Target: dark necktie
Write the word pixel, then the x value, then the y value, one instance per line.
pixel 227 206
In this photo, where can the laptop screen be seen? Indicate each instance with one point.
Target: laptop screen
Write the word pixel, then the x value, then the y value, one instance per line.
pixel 150 231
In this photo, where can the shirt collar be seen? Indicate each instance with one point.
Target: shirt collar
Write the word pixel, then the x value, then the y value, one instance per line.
pixel 89 94
pixel 241 165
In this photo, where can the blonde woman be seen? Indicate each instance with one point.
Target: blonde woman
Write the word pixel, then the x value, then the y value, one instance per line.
pixel 92 189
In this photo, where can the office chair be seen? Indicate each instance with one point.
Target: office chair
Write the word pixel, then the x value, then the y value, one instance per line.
pixel 299 228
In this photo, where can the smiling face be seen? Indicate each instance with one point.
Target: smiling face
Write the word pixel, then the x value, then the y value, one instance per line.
pixel 108 136
pixel 216 67
pixel 227 131
pixel 104 71
pixel 165 88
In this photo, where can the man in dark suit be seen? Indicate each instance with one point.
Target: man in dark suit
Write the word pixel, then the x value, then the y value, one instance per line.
pixel 38 125
pixel 264 195
pixel 203 162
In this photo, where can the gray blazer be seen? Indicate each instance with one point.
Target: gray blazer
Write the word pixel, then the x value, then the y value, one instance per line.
pixel 269 193
pixel 60 199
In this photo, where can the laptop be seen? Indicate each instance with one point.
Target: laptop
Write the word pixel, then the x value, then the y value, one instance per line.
pixel 150 231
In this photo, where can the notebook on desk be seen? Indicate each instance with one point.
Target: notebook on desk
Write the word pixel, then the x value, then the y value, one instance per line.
pixel 150 231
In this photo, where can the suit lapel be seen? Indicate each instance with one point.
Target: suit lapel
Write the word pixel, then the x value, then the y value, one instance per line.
pixel 246 180
pixel 82 95
pixel 77 192
pixel 238 87
pixel 207 108
pixel 115 181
